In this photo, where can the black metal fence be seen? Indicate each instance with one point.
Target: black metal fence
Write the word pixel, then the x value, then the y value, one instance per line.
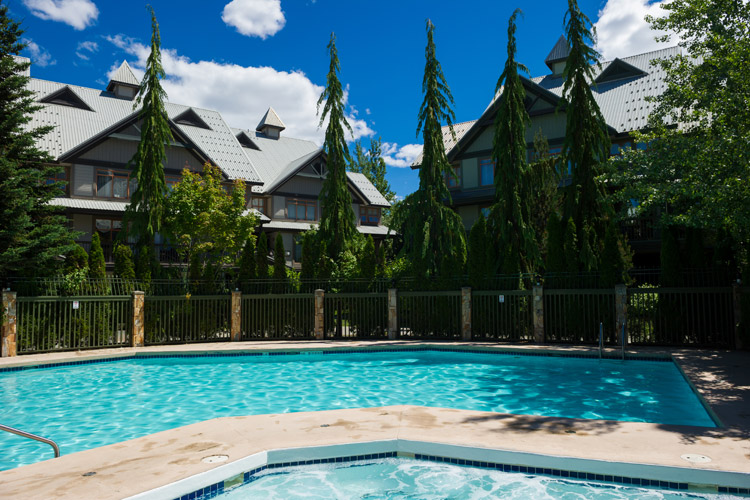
pixel 70 323
pixel 186 319
pixel 573 316
pixel 502 315
pixel 278 317
pixel 356 315
pixel 429 315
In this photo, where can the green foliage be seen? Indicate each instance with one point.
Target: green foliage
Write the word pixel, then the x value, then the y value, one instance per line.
pixel 337 227
pixel 247 262
pixel 613 267
pixel 372 165
pixel 97 267
pixel 261 257
pixel 695 254
pixel 279 264
pixel 699 169
pixel 204 222
pixel 76 260
pixel 33 234
pixel 671 272
pixel 586 142
pixel 544 182
pixel 124 267
pixel 380 260
pixel 310 255
pixel 146 209
pixel 480 263
pixel 511 215
pixel 434 236
pixel 368 261
pixel 555 242
pixel 144 265
pixel 571 248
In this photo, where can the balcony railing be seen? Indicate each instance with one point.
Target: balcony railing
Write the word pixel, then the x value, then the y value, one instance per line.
pixel 166 253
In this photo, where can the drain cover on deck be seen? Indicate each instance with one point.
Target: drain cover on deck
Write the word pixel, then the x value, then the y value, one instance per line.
pixel 214 459
pixel 696 459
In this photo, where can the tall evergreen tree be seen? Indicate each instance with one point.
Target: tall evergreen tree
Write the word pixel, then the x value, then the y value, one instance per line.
pixel 337 222
pixel 144 214
pixel 32 232
pixel 123 257
pixel 586 143
pixel 372 165
pixel 511 215
pixel 482 258
pixel 261 257
pixel 368 262
pixel 434 235
pixel 247 262
pixel 279 264
pixel 97 265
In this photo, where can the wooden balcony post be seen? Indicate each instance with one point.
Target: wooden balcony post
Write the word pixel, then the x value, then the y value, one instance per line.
pixel 8 345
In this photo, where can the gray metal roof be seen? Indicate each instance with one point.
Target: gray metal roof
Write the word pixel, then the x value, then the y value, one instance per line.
pixel 378 230
pixel 367 189
pixel 124 74
pixel 449 142
pixel 270 119
pixel 89 204
pixel 305 226
pixel 261 217
pixel 290 170
pixel 559 51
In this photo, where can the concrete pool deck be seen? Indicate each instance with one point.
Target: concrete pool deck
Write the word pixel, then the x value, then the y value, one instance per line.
pixel 131 467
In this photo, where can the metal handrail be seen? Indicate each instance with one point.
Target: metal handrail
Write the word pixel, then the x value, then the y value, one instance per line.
pixel 601 339
pixel 29 435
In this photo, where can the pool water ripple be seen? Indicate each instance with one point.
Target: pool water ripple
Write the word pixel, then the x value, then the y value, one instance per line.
pixel 85 406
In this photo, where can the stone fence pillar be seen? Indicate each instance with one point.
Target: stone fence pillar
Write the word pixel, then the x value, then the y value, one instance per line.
pixel 8 342
pixel 466 313
pixel 319 315
pixel 621 312
pixel 235 329
pixel 139 313
pixel 537 311
pixel 392 314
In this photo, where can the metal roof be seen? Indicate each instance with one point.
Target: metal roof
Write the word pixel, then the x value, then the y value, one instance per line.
pixel 261 217
pixel 367 189
pixel 559 51
pixel 291 169
pixel 124 74
pixel 270 119
pixel 89 204
pixel 305 226
pixel 449 142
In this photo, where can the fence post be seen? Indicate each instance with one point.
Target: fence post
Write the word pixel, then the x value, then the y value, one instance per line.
pixel 621 312
pixel 466 313
pixel 139 299
pixel 392 314
pixel 8 345
pixel 319 316
pixel 236 320
pixel 737 302
pixel 537 308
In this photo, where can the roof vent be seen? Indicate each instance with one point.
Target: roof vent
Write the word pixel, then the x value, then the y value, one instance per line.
pixel 271 125
pixel 191 118
pixel 66 97
pixel 123 83
pixel 619 70
pixel 556 58
pixel 246 141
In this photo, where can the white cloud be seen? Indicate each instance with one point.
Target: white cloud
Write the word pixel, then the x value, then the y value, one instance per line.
pixel 241 94
pixel 262 18
pixel 77 13
pixel 400 156
pixel 623 31
pixel 85 49
pixel 38 54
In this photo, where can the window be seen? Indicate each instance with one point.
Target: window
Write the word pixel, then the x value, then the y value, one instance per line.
pixel 61 177
pixel 114 184
pixel 297 209
pixel 454 181
pixel 108 230
pixel 485 211
pixel 486 172
pixel 369 216
pixel 172 180
pixel 259 204
pixel 297 254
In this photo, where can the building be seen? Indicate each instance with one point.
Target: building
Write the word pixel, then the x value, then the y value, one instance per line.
pixel 621 88
pixel 96 133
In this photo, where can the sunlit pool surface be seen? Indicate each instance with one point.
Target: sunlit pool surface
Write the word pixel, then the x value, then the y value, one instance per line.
pixel 91 405
pixel 396 479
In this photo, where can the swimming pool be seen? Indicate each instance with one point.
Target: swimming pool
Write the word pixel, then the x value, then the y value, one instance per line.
pixel 399 478
pixel 91 405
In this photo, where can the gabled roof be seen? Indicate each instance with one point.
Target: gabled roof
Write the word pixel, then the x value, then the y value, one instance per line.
pixel 191 118
pixel 245 141
pixel 270 119
pixel 124 75
pixel 618 70
pixel 558 53
pixel 367 190
pixel 459 129
pixel 66 97
pixel 292 169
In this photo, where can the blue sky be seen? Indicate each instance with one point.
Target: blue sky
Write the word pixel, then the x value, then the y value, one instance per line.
pixel 241 56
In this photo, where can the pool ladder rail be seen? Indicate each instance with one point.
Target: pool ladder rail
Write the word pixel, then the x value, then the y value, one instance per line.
pixel 601 340
pixel 19 432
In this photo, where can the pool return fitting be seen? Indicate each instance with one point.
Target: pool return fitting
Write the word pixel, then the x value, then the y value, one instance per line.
pixel 19 432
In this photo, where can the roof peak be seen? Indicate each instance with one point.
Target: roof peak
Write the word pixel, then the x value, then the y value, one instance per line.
pixel 124 76
pixel 558 53
pixel 270 119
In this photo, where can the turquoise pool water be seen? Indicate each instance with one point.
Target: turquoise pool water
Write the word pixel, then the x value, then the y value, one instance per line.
pixel 401 479
pixel 91 405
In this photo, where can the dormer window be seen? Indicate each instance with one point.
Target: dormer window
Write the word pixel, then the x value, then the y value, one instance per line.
pixel 124 84
pixel 246 142
pixel 66 97
pixel 190 117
